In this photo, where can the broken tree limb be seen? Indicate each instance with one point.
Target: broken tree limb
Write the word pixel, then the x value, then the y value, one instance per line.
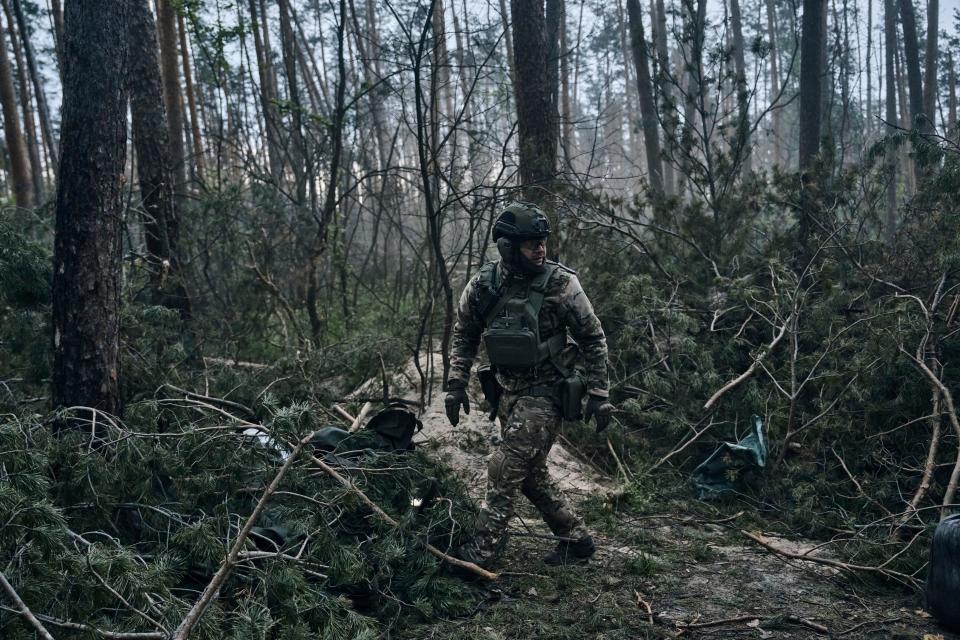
pixel 23 608
pixel 364 411
pixel 951 490
pixel 212 589
pixel 749 372
pixel 383 515
pixel 836 564
pixel 340 411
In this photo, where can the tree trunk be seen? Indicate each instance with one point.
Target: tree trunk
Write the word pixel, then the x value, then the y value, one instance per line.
pixel 198 159
pixel 811 45
pixel 912 58
pixel 665 83
pixel 170 69
pixel 508 38
pixel 536 112
pixel 890 37
pixel 38 91
pixel 57 12
pixel 566 113
pixel 16 148
pixel 298 149
pixel 154 164
pixel 648 109
pixel 23 84
pixel 930 75
pixel 778 158
pixel 952 104
pixel 267 97
pixel 743 97
pixel 89 209
pixel 869 123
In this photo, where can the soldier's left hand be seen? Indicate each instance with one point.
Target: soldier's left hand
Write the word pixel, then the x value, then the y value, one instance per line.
pixel 600 409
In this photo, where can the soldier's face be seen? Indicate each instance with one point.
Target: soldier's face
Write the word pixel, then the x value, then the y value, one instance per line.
pixel 534 251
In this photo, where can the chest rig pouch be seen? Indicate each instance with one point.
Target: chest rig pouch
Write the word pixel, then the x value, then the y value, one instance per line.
pixel 512 336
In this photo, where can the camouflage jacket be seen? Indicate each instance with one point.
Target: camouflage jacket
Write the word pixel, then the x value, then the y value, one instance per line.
pixel 565 308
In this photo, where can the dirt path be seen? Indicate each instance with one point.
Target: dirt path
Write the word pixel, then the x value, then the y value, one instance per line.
pixel 665 574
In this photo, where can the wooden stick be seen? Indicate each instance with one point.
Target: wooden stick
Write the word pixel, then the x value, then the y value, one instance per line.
pixel 24 609
pixel 367 406
pixel 626 472
pixel 383 515
pixel 212 589
pixel 766 544
pixel 340 411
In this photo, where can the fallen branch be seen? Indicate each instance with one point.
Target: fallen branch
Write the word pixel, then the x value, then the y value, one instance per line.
pixel 836 564
pixel 364 411
pixel 646 605
pixel 212 589
pixel 383 515
pixel 748 618
pixel 23 608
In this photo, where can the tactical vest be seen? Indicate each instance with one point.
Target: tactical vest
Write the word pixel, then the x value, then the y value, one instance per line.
pixel 512 334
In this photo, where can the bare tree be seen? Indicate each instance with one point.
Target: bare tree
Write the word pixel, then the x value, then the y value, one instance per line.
pixel 16 148
pixel 170 69
pixel 648 108
pixel 812 42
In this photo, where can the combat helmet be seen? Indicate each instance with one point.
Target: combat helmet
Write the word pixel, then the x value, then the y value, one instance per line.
pixel 521 221
pixel 517 222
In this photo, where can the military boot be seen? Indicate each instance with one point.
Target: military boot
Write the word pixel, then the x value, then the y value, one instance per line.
pixel 578 552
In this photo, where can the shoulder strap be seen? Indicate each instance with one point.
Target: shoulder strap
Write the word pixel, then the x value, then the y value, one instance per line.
pixel 538 287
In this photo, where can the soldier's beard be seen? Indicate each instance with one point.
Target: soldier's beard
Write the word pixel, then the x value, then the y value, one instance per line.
pixel 513 257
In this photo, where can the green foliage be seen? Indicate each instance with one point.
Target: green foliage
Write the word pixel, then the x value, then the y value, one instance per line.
pixel 148 508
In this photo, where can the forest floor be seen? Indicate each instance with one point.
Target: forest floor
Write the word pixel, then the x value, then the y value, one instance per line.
pixel 678 568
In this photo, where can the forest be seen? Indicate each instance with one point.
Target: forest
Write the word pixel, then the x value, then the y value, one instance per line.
pixel 234 235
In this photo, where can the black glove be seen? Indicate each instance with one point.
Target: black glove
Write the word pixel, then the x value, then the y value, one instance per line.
pixel 456 396
pixel 598 408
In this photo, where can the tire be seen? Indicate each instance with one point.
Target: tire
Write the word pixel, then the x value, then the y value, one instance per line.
pixel 943 573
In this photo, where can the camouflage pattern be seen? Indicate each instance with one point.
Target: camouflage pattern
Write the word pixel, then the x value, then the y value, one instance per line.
pixel 528 429
pixel 528 424
pixel 566 308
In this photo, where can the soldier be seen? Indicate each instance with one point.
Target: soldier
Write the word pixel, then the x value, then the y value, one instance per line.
pixel 536 324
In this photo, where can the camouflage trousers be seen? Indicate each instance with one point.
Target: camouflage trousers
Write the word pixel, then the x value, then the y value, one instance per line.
pixel 528 429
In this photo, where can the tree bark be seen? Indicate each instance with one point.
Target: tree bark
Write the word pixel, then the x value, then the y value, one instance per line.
pixel 930 75
pixel 89 209
pixel 912 57
pixel 648 108
pixel 811 45
pixel 536 110
pixel 170 70
pixel 154 163
pixel 198 158
pixel 566 113
pixel 16 148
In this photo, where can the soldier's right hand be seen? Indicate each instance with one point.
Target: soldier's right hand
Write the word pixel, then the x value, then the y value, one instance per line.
pixel 455 398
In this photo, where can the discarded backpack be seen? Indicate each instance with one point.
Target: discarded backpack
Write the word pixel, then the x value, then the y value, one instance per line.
pixel 395 426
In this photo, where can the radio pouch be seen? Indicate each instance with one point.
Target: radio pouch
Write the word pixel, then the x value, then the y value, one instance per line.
pixel 569 394
pixel 487 375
